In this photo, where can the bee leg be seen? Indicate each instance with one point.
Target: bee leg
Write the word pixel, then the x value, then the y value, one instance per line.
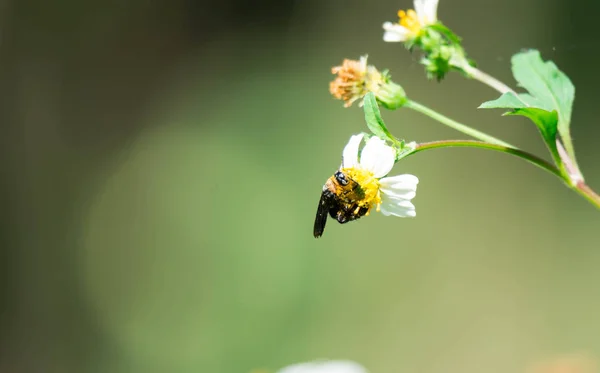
pixel 349 213
pixel 342 214
pixel 341 218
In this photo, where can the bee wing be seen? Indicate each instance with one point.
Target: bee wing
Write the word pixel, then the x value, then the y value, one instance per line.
pixel 325 203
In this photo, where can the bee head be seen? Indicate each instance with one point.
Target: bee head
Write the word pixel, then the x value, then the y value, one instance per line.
pixel 341 178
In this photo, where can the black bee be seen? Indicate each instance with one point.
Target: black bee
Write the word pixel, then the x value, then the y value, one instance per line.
pixel 340 199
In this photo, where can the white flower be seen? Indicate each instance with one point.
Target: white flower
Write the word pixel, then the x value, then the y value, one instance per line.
pixel 390 195
pixel 411 21
pixel 340 366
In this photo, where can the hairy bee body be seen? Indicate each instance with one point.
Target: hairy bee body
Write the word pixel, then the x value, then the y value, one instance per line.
pixel 339 199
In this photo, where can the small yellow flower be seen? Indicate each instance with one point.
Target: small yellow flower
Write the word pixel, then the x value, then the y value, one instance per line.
pixel 354 80
pixel 411 21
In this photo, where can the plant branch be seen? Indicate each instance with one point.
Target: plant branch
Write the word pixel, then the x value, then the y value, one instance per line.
pixel 454 124
pixel 489 80
pixel 567 156
pixel 586 192
pixel 580 187
pixel 539 162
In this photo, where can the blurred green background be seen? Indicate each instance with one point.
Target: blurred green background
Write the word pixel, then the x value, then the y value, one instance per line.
pixel 162 163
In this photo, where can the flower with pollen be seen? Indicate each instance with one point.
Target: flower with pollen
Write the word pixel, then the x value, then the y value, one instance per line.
pixel 355 79
pixel 361 185
pixel 390 195
pixel 411 21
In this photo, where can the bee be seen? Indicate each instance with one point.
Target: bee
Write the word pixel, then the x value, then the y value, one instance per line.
pixel 340 200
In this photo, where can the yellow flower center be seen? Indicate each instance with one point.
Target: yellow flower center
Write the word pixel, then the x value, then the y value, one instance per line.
pixel 410 21
pixel 369 185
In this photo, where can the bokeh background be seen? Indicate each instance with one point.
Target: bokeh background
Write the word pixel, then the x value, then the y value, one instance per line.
pixel 162 163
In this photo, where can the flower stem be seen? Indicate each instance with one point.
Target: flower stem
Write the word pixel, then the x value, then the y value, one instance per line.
pixel 587 193
pixel 477 74
pixel 541 163
pixel 454 124
pixel 568 143
pixel 581 187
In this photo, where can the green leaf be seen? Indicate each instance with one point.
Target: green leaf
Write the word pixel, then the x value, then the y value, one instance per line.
pixel 511 101
pixel 374 119
pixel 523 105
pixel 549 86
pixel 531 101
pixel 549 101
pixel 506 101
pixel 547 123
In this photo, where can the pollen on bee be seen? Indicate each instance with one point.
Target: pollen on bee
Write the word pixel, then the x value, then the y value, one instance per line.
pixel 369 185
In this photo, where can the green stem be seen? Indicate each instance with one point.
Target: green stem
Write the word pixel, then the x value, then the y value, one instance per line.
pixel 454 124
pixel 489 80
pixel 581 188
pixel 587 193
pixel 568 143
pixel 541 163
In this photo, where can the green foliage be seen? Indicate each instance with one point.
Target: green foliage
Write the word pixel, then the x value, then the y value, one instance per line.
pixel 446 32
pixel 441 48
pixel 546 123
pixel 437 63
pixel 511 100
pixel 374 119
pixel 549 101
pixel 544 81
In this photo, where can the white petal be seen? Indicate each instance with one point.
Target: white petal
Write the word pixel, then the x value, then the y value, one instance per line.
pixel 377 157
pixel 325 367
pixel 426 11
pixel 401 187
pixel 363 62
pixel 419 9
pixel 397 207
pixel 350 154
pixel 405 194
pixel 431 11
pixel 394 32
pixel 400 181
